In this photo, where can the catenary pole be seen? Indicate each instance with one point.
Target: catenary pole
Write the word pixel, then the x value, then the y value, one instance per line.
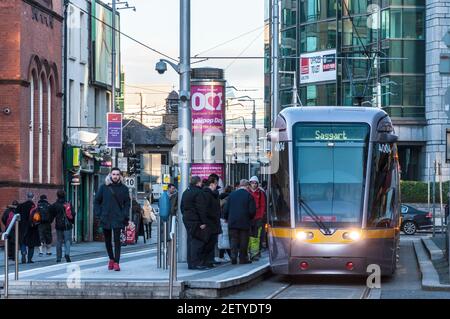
pixel 184 117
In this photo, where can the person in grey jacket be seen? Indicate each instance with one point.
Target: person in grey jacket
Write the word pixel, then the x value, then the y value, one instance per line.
pixel 112 206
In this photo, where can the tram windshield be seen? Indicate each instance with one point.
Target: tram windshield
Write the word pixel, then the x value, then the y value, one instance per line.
pixel 330 161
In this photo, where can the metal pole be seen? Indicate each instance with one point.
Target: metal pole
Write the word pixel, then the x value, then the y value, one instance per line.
pixel 275 49
pixel 142 115
pixel 113 71
pixel 184 115
pixel 434 199
pixel 173 257
pixel 165 245
pixel 440 196
pixel 158 241
pixel 254 115
pixel 5 285
pixel 16 246
pixel 76 213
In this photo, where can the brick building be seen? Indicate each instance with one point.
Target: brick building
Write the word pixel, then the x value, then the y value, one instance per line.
pixel 30 98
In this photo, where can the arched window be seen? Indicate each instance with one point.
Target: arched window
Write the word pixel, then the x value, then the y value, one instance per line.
pixel 49 128
pixel 41 127
pixel 31 130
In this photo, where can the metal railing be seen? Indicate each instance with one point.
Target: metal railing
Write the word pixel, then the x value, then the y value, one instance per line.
pixel 5 236
pixel 173 255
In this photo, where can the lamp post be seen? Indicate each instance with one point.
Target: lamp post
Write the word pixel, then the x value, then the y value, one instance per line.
pixel 184 113
pixel 295 98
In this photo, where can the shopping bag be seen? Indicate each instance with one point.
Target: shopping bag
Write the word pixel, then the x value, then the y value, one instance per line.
pixel 224 238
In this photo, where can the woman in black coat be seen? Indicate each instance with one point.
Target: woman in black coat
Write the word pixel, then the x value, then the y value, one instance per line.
pixel 138 219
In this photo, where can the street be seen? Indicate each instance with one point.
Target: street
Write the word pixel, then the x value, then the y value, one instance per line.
pixel 404 285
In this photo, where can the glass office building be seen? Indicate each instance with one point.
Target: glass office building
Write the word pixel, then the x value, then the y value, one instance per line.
pixel 379 48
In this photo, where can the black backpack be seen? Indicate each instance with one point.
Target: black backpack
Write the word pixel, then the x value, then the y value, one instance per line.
pixel 44 211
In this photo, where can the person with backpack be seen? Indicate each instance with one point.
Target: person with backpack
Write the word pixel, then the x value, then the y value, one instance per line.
pixel 28 228
pixel 45 226
pixel 112 206
pixel 7 217
pixel 64 215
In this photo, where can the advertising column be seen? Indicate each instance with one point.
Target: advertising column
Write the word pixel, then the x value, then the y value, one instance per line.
pixel 208 128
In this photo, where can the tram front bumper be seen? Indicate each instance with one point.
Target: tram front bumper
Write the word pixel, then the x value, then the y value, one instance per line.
pixel 327 266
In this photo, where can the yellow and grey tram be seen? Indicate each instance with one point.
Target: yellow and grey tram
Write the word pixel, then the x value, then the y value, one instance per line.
pixel 334 191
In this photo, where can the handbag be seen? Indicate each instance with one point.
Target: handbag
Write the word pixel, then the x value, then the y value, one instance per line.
pixel 224 238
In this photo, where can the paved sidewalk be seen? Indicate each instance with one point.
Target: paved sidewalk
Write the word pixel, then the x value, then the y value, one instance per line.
pixel 139 278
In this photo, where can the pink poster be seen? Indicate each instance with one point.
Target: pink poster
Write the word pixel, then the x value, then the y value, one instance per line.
pixel 207 108
pixel 208 114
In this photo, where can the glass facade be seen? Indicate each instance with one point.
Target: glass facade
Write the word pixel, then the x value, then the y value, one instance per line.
pixel 360 31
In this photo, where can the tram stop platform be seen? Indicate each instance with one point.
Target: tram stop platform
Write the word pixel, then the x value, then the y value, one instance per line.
pixel 139 278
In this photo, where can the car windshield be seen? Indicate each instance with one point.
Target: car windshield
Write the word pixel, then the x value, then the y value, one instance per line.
pixel 330 163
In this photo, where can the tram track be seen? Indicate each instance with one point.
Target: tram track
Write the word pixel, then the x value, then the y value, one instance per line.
pixel 313 289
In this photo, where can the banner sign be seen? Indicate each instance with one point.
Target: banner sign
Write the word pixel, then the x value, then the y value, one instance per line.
pixel 318 67
pixel 208 115
pixel 114 130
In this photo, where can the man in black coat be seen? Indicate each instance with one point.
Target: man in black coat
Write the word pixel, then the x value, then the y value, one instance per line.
pixel 28 234
pixel 64 215
pixel 212 206
pixel 112 206
pixel 195 220
pixel 240 209
pixel 45 227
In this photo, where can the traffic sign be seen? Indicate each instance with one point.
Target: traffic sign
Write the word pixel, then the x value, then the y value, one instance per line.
pixel 122 163
pixel 130 182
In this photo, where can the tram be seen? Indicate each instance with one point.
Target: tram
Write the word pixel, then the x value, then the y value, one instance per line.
pixel 334 192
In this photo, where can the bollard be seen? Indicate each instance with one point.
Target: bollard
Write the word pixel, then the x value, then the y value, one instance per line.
pixel 16 246
pixel 173 256
pixel 158 241
pixel 165 245
pixel 5 285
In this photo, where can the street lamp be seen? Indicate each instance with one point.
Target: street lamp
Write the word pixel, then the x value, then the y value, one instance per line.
pixel 295 96
pixel 247 98
pixel 184 114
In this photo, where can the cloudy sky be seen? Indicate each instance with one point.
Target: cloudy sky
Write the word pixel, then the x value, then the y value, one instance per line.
pixel 213 22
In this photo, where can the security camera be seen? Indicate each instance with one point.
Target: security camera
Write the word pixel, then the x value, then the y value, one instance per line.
pixel 184 96
pixel 161 67
pixel 6 111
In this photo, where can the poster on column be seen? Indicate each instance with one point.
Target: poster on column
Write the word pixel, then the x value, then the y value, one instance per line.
pixel 208 117
pixel 114 130
pixel 318 66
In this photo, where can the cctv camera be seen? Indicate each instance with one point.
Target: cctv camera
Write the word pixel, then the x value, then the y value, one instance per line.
pixel 161 67
pixel 184 96
pixel 6 111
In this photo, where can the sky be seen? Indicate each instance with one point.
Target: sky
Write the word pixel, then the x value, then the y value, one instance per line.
pixel 156 23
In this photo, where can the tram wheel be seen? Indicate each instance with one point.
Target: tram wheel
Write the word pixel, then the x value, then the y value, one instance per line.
pixel 409 228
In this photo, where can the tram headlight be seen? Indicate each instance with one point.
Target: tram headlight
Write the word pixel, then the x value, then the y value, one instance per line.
pixel 352 235
pixel 303 235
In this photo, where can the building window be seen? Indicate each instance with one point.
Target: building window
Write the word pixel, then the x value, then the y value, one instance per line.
pixel 357 33
pixel 318 95
pixel 288 13
pixel 403 23
pixel 315 10
pixel 83 38
pixel 318 36
pixel 403 96
pixel 412 51
pixel 353 7
pixel 71 32
pixel 31 130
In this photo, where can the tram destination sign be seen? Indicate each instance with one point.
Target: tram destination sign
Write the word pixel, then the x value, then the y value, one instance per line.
pixel 322 132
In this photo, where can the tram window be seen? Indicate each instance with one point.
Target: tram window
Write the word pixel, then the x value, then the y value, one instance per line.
pixel 383 186
pixel 330 165
pixel 279 201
